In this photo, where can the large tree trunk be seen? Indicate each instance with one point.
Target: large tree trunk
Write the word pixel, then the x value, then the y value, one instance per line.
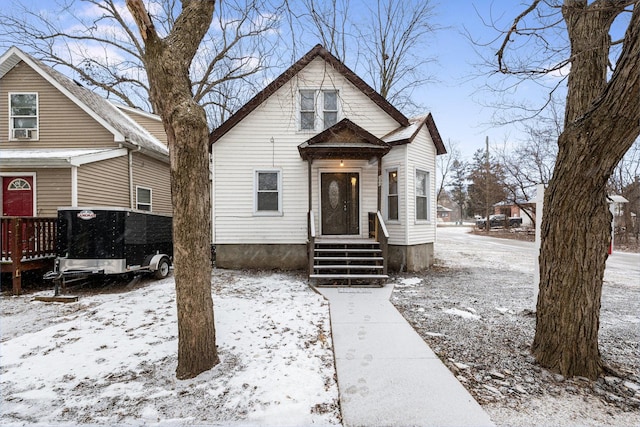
pixel 167 63
pixel 602 121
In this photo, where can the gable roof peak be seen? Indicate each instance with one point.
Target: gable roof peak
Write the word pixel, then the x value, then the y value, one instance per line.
pixel 317 51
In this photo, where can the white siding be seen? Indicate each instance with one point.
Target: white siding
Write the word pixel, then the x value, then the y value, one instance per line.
pixel 268 139
pixel 396 158
pixel 421 155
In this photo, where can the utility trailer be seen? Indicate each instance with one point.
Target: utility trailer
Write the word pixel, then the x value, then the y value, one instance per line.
pixel 110 241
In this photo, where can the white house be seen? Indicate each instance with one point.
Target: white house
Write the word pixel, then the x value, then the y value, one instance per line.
pixel 319 164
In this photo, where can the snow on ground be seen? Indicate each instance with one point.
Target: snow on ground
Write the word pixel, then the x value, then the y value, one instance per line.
pixel 110 358
pixel 474 310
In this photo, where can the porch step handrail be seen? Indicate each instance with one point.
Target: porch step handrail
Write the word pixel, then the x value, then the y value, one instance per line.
pixel 311 240
pixel 383 226
pixel 382 236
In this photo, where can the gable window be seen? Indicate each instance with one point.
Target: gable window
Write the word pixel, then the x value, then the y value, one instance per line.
pixel 330 100
pixel 23 120
pixel 392 194
pixel 143 198
pixel 307 109
pixel 318 109
pixel 422 199
pixel 268 194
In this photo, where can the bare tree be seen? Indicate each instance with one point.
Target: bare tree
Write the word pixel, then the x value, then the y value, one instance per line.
pixel 327 21
pixel 95 42
pixel 601 122
pixel 444 169
pixel 167 60
pixel 394 48
pixel 387 47
pixel 530 162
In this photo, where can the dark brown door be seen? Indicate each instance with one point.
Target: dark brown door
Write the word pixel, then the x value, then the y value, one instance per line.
pixel 340 203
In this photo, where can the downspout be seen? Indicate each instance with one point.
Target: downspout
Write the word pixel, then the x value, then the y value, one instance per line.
pixel 309 161
pixel 74 186
pixel 379 183
pixel 131 199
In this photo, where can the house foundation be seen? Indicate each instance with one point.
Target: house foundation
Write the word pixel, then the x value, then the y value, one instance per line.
pixel 410 258
pixel 262 257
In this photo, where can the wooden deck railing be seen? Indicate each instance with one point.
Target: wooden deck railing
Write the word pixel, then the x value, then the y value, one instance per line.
pixel 26 243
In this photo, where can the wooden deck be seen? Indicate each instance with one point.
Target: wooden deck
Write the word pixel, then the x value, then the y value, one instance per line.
pixel 33 239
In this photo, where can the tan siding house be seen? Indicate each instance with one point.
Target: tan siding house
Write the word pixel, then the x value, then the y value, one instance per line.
pixel 63 145
pixel 319 143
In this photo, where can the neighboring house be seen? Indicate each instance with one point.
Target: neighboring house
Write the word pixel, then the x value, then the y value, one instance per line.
pixel 444 214
pixel 315 155
pixel 63 145
pixel 524 210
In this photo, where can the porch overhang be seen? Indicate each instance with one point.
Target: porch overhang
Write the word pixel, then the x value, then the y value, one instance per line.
pixel 344 140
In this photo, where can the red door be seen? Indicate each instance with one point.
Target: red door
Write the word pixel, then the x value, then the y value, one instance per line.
pixel 17 196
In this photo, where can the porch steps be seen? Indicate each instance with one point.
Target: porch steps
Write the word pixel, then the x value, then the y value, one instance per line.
pixel 349 262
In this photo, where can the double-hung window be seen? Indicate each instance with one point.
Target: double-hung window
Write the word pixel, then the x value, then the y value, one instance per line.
pixel 23 120
pixel 318 109
pixel 307 109
pixel 422 195
pixel 268 194
pixel 330 107
pixel 392 194
pixel 143 198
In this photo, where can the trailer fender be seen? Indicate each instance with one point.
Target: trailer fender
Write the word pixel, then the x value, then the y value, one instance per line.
pixel 159 265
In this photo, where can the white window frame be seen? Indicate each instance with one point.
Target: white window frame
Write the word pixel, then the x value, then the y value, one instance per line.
pixel 319 111
pixel 325 110
pixel 138 203
pixel 301 111
pixel 387 194
pixel 256 174
pixel 427 182
pixel 11 117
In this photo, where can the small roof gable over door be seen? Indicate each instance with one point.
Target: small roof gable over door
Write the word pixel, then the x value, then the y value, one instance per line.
pixel 344 140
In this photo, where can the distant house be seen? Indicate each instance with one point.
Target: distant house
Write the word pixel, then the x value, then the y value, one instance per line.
pixel 63 145
pixel 444 214
pixel 319 157
pixel 524 210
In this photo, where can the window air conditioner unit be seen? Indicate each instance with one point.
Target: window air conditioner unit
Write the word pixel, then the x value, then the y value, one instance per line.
pixel 24 133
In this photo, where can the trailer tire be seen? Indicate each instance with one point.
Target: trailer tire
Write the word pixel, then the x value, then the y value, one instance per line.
pixel 163 269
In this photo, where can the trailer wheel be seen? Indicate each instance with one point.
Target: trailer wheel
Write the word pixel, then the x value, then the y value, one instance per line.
pixel 163 269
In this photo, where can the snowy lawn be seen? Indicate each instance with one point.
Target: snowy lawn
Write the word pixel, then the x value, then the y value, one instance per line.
pixel 110 358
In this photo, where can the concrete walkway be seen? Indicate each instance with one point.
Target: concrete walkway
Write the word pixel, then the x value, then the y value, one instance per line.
pixel 387 375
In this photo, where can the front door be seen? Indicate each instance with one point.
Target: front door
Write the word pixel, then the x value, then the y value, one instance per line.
pixel 340 208
pixel 17 196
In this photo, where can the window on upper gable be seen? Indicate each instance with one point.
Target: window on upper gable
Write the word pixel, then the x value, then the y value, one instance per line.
pixel 330 100
pixel 307 109
pixel 23 120
pixel 318 109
